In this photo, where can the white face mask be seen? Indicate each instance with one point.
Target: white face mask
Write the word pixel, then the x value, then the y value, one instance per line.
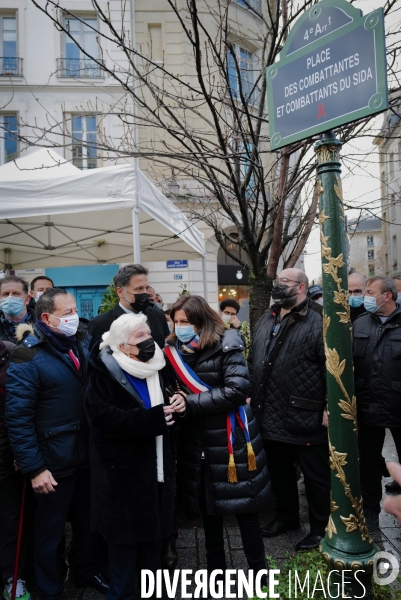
pixel 68 325
pixel 38 295
pixel 226 318
pixel 319 301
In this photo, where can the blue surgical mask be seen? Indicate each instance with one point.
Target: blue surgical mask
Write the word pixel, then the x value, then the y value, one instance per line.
pixel 159 305
pixel 170 326
pixel 370 303
pixel 355 301
pixel 185 333
pixel 12 306
pixel 399 298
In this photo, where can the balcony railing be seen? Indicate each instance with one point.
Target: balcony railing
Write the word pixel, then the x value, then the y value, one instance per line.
pixel 79 67
pixel 10 66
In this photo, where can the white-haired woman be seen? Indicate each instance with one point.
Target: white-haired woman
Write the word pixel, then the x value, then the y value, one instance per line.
pixel 131 450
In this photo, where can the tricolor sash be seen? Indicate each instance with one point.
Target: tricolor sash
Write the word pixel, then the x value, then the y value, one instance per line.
pixel 192 382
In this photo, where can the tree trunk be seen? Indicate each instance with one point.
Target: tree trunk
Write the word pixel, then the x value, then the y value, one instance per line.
pixel 260 286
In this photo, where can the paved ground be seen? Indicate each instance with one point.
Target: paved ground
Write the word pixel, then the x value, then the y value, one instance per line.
pixel 191 541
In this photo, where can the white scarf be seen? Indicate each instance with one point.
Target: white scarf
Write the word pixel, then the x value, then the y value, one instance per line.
pixel 150 372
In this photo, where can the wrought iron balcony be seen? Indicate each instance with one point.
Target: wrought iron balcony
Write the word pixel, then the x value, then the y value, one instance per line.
pixel 10 66
pixel 79 67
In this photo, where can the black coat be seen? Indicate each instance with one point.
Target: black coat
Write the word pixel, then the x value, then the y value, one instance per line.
pixel 357 312
pixel 377 369
pixel 126 507
pixel 289 404
pixel 156 321
pixel 204 432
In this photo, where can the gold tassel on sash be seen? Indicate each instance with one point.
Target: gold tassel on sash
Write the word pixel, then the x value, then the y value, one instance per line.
pixel 232 470
pixel 251 457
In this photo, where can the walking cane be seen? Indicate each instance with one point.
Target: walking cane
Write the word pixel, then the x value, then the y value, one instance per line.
pixel 20 526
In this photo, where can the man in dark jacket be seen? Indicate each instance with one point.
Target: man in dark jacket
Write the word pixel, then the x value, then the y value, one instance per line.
pixel 47 430
pixel 356 291
pixel 288 384
pixel 377 371
pixel 11 484
pixel 14 300
pixel 131 283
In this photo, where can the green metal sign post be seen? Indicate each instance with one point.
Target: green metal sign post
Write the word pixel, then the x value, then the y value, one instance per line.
pixel 332 71
pixel 347 547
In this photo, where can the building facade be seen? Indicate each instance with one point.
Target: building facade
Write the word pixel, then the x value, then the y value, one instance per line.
pixel 52 94
pixel 366 252
pixel 389 147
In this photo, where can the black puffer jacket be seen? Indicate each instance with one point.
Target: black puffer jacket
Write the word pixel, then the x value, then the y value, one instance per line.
pixel 377 369
pixel 289 405
pixel 204 432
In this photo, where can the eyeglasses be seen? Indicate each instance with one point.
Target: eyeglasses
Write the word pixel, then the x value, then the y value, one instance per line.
pixel 355 292
pixel 285 281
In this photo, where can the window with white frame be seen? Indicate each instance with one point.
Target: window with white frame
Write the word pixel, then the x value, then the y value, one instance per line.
pixel 371 270
pixel 81 50
pixel 371 254
pixel 9 63
pixel 241 68
pixel 8 138
pixel 369 240
pixel 84 141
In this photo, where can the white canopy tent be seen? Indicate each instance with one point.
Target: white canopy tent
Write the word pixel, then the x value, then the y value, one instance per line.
pixel 53 214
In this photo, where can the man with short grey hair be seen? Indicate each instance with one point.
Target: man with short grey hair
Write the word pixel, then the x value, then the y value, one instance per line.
pixel 377 372
pixel 132 286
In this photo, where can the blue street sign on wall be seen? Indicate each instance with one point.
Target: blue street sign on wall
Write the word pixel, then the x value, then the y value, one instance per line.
pixel 177 264
pixel 178 276
pixel 332 70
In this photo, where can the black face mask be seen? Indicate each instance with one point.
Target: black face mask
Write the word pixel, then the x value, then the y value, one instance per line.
pixel 141 302
pixel 146 349
pixel 282 298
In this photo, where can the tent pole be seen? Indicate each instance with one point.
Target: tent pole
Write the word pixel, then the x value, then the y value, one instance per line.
pixel 205 289
pixel 136 234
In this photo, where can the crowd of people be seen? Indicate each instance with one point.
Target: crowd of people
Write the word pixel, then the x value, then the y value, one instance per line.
pixel 109 423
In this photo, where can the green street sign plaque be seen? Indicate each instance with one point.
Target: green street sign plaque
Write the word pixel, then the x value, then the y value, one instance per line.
pixel 332 70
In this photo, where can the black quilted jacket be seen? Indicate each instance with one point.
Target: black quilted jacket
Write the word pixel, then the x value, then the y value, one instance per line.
pixel 377 369
pixel 204 433
pixel 289 404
